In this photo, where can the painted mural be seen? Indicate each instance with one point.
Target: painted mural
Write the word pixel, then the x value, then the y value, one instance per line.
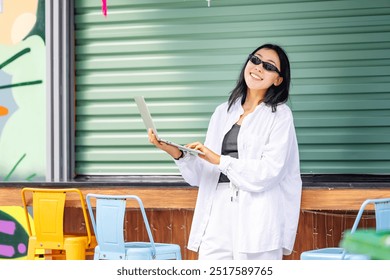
pixel 22 90
pixel 13 233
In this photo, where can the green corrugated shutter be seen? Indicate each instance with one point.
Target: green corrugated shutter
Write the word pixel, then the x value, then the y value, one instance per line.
pixel 185 58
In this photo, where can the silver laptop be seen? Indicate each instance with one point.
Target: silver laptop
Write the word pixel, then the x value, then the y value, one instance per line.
pixel 148 121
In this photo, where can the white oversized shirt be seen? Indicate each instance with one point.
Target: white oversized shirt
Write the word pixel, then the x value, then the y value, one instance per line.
pixel 267 174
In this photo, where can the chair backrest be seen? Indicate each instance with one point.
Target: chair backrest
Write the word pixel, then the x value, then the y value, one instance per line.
pixel 110 217
pixel 108 222
pixel 48 209
pixel 382 213
pixel 48 215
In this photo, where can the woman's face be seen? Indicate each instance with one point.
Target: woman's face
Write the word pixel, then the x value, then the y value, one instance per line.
pixel 257 78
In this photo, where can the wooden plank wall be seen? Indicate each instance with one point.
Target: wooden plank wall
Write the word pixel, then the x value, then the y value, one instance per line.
pixel 325 215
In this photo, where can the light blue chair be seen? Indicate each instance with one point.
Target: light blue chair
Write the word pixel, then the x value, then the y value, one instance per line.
pixel 382 219
pixel 108 225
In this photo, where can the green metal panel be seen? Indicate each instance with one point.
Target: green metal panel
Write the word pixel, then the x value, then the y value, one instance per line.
pixel 185 57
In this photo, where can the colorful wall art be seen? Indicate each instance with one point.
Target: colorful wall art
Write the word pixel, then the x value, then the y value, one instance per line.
pixel 13 233
pixel 22 90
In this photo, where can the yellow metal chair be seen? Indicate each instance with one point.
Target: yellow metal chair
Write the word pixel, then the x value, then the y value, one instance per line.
pixel 49 240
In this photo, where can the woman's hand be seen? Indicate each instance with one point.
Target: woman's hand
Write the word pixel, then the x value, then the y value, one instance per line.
pixel 209 155
pixel 174 152
pixel 171 150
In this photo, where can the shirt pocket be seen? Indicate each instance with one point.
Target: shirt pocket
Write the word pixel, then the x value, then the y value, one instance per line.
pixel 254 147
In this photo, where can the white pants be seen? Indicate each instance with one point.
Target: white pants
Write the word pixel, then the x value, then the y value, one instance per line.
pixel 219 241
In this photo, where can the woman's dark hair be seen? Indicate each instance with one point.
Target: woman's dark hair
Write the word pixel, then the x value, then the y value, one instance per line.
pixel 276 94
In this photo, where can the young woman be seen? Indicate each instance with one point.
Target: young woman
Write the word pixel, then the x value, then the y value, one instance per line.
pixel 249 176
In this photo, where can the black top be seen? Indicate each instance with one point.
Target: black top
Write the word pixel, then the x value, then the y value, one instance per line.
pixel 229 147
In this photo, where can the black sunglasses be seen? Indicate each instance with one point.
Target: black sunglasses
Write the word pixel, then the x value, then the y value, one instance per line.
pixel 266 65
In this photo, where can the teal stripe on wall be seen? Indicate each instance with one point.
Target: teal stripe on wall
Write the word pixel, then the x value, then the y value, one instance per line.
pixel 185 58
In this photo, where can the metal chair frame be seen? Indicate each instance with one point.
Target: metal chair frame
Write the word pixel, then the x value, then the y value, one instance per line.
pixel 382 218
pixel 49 240
pixel 108 225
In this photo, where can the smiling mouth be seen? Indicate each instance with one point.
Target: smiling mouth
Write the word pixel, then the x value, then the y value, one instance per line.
pixel 253 75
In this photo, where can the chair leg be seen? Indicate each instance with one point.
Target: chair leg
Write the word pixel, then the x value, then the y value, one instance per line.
pixel 75 251
pixel 31 249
